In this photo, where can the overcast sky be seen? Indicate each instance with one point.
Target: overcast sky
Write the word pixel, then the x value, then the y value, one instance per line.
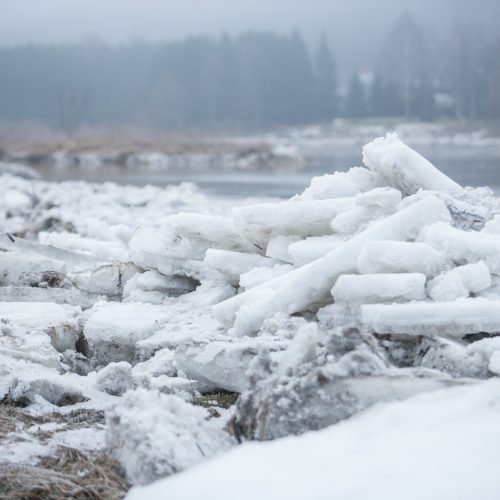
pixel 354 27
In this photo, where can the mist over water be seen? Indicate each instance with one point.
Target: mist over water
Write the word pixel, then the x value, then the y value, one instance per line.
pixel 71 70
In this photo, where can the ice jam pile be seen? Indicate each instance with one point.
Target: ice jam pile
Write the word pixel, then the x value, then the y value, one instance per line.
pixel 376 291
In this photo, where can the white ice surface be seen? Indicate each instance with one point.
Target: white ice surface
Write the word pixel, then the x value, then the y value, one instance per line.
pixel 373 288
pixel 403 168
pixel 440 445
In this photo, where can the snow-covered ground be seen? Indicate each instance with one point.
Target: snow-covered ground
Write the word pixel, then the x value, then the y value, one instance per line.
pixel 356 325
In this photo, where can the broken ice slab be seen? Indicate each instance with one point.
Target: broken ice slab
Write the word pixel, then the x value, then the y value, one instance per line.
pixel 305 251
pixel 259 275
pixel 186 325
pixel 459 282
pixel 292 217
pixel 60 322
pixel 154 435
pixel 492 226
pixel 403 168
pixel 168 266
pixel 297 404
pixel 356 219
pixel 69 296
pixel 309 286
pixel 108 279
pixel 168 244
pixel 370 206
pixel 153 281
pixel 401 257
pixel 113 329
pixel 453 319
pixel 380 197
pixel 28 345
pixel 277 247
pixel 208 294
pixel 73 260
pixel 16 269
pixel 328 186
pixel 340 184
pixel 232 264
pixel 464 247
pixel 105 251
pixel 223 364
pixel 373 288
pixel 217 230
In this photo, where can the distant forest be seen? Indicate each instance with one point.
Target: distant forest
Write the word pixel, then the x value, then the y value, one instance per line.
pixel 256 80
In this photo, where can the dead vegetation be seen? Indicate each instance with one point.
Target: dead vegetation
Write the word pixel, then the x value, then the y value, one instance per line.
pixel 68 472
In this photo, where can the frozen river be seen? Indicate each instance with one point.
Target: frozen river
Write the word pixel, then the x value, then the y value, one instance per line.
pixel 469 166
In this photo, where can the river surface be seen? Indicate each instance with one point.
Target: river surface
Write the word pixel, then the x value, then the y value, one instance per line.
pixel 468 166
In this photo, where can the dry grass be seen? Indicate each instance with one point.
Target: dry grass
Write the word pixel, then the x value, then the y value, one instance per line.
pixel 69 474
pixel 219 399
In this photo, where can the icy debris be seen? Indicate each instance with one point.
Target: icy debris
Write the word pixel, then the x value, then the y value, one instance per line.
pixel 305 251
pixel 487 350
pixel 302 348
pixel 459 282
pixel 373 288
pixel 356 219
pixel 72 297
pixel 209 296
pixel 259 275
pixel 154 435
pixel 31 271
pixel 108 279
pixel 403 168
pixel 401 257
pixel 161 363
pixel 56 392
pixel 215 230
pixel 57 321
pixel 370 206
pixel 464 247
pixel 116 378
pixel 452 358
pixel 185 324
pixel 328 186
pixel 346 376
pixel 30 249
pixel 30 345
pixel 223 364
pixel 112 330
pixel 278 247
pixel 454 319
pixel 290 218
pixel 492 226
pixel 232 264
pixel 153 281
pixel 308 285
pixel 494 364
pixel 382 197
pixel 108 251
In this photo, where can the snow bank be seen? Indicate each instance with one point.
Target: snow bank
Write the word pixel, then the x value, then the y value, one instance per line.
pixel 375 455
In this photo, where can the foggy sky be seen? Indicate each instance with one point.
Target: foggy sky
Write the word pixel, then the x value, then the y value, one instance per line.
pixel 355 28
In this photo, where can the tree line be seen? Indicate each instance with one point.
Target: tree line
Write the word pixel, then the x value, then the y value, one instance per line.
pixel 256 80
